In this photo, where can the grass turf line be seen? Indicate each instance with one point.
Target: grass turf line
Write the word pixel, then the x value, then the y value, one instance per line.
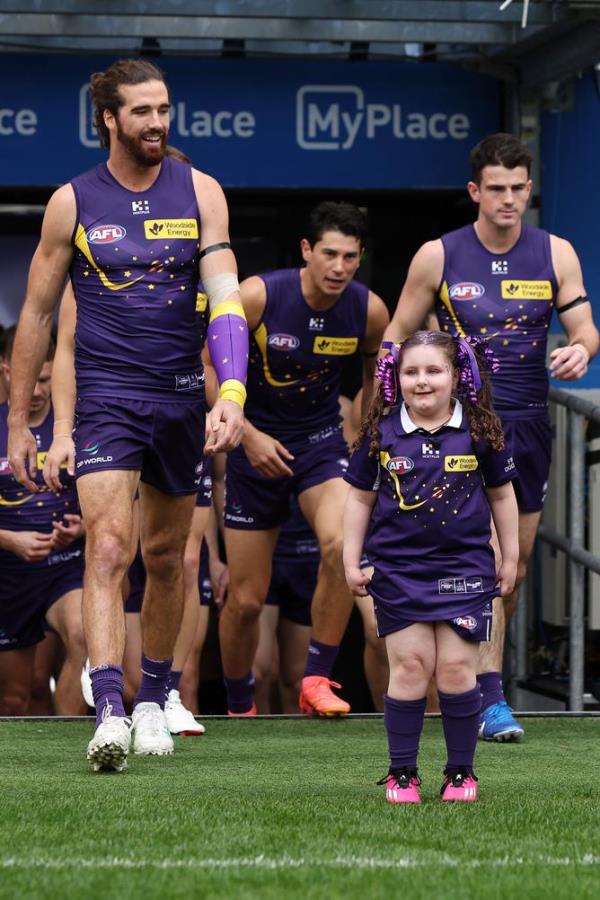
pixel 289 809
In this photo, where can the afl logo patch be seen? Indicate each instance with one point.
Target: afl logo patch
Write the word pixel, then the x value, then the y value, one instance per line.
pixel 400 464
pixel 283 341
pixel 106 234
pixel 467 622
pixel 466 290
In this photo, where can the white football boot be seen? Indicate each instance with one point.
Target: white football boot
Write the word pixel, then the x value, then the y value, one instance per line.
pixel 107 751
pixel 151 736
pixel 179 719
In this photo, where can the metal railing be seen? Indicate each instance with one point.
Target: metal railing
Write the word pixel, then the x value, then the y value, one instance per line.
pixel 580 559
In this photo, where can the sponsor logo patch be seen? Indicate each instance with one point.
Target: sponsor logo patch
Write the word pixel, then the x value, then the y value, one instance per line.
pixel 105 234
pixel 283 341
pixel 4 466
pixel 335 346
pixel 499 267
pixel 189 382
pixel 174 229
pixel 460 463
pixel 429 450
pixel 316 323
pixel 201 302
pixel 140 207
pixel 400 464
pixel 466 290
pixel 526 290
pixel 471 585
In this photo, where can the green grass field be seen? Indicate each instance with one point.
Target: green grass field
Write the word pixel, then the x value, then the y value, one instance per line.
pixel 289 808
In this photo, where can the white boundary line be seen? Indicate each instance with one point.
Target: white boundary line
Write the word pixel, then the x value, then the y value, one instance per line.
pixel 288 862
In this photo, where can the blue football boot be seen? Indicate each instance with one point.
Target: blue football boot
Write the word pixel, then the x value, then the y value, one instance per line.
pixel 496 723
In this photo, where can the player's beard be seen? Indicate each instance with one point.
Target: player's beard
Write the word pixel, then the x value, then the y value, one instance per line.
pixel 144 154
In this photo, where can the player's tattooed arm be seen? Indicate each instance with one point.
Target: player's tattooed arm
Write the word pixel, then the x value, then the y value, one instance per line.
pixel 418 295
pixel 377 320
pixel 47 275
pixel 62 449
pixel 571 362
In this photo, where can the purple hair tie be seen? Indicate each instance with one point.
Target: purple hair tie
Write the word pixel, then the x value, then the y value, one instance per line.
pixel 469 379
pixel 387 372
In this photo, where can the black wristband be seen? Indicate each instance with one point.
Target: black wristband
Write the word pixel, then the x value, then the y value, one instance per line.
pixel 224 245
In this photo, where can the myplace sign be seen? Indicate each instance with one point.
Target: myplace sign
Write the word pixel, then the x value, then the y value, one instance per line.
pixel 262 123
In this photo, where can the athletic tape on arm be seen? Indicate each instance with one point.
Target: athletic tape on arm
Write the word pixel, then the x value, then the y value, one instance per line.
pixel 576 302
pixel 227 336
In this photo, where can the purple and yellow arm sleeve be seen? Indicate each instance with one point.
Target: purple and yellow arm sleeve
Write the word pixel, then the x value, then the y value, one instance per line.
pixel 227 340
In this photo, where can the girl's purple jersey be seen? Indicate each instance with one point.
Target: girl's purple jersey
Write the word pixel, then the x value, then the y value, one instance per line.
pixel 297 356
pixel 429 536
pixel 506 298
pixel 22 511
pixel 139 326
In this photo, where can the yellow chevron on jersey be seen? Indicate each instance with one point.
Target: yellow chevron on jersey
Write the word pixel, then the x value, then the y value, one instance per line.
pixel 526 290
pixel 174 229
pixel 335 346
pixel 460 463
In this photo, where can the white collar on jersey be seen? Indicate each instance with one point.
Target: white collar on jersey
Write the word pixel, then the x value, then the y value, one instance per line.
pixel 408 426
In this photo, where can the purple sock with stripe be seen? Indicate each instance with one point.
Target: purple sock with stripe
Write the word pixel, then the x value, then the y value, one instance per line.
pixel 321 658
pixel 107 688
pixel 240 693
pixel 404 723
pixel 174 679
pixel 490 685
pixel 155 678
pixel 460 718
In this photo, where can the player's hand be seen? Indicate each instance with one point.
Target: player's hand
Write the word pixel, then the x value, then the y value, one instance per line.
pixel 31 546
pixel 357 580
pixel 67 531
pixel 62 450
pixel 569 363
pixel 219 576
pixel 224 427
pixel 267 455
pixel 22 456
pixel 506 578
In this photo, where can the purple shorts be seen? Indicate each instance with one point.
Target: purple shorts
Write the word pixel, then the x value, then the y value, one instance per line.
pixel 256 503
pixel 28 592
pixel 292 587
pixel 472 626
pixel 204 497
pixel 137 581
pixel 162 441
pixel 530 444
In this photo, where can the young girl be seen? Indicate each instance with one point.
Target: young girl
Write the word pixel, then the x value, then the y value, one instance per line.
pixel 423 478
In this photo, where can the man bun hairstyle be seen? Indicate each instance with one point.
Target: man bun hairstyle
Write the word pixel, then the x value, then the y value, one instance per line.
pixel 104 87
pixel 499 150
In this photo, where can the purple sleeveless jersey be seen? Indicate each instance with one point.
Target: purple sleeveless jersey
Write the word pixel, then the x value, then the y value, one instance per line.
pixel 507 298
pixel 140 322
pixel 429 535
pixel 22 511
pixel 297 356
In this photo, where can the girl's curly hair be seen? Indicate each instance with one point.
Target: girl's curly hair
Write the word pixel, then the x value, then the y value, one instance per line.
pixel 476 400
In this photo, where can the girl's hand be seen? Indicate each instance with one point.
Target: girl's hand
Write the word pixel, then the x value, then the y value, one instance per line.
pixel 357 579
pixel 506 578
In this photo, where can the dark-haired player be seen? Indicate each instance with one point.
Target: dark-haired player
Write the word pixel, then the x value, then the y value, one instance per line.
pixel 133 233
pixel 305 323
pixel 501 279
